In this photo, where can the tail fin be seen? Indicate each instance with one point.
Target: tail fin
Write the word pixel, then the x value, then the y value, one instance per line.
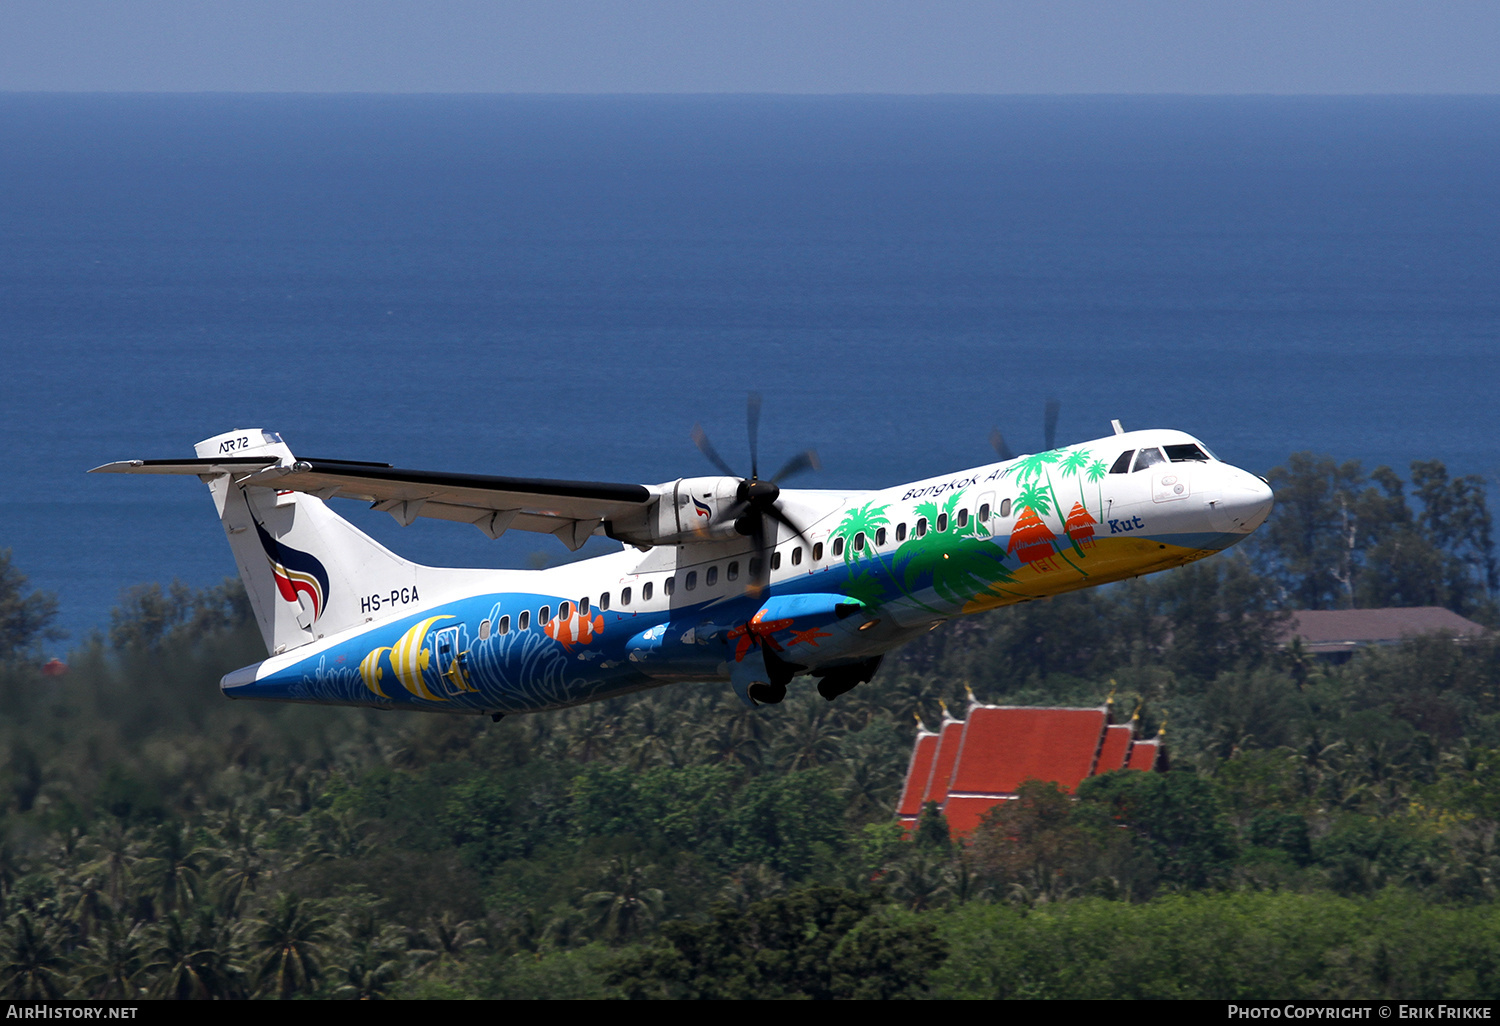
pixel 309 572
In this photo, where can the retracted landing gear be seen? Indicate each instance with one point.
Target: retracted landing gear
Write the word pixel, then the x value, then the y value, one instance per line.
pixel 779 674
pixel 843 679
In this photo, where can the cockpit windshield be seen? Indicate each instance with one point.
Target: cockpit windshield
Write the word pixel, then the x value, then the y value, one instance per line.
pixel 1148 458
pixel 1186 454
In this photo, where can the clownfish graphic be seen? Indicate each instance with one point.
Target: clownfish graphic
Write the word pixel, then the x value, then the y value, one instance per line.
pixel 576 629
pixel 295 571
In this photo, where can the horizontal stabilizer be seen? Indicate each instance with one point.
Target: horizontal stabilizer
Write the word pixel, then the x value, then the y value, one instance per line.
pixel 218 465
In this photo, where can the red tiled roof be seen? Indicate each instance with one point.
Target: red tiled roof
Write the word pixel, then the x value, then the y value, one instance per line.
pixel 964 814
pixel 918 774
pixel 942 765
pixel 1004 745
pixel 1143 755
pixel 1115 750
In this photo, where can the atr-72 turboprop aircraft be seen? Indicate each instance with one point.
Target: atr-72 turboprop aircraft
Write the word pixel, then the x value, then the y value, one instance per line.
pixel 720 578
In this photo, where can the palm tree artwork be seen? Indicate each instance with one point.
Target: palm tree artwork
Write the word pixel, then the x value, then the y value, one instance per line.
pixel 865 582
pixel 960 564
pixel 1096 472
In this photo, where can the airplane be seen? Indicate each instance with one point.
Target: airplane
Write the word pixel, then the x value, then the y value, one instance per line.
pixel 719 578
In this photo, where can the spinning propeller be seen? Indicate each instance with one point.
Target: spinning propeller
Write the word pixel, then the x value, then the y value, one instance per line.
pixel 1050 426
pixel 755 501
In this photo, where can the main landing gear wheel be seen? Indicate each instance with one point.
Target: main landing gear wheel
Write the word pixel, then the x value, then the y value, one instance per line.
pixel 843 679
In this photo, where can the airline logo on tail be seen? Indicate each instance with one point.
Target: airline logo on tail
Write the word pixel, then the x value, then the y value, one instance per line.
pixel 295 571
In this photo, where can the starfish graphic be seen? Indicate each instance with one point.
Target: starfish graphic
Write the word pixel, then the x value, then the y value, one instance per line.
pixel 756 629
pixel 811 636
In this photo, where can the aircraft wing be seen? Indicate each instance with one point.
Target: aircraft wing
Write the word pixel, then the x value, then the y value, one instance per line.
pixel 571 510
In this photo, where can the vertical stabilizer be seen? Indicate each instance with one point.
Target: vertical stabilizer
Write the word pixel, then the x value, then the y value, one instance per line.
pixel 309 572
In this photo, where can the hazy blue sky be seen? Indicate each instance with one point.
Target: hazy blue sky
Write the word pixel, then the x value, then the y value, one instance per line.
pixel 797 46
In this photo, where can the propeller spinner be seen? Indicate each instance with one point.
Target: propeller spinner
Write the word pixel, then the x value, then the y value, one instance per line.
pixel 757 501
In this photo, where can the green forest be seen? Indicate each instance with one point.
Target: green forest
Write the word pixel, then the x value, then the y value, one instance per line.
pixel 1326 830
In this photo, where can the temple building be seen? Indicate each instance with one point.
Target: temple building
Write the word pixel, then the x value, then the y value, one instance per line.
pixel 969 766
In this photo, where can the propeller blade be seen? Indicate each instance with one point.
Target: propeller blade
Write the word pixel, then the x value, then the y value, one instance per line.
pixel 700 439
pixel 780 517
pixel 997 440
pixel 1053 408
pixel 732 513
pixel 761 579
pixel 797 464
pixel 752 422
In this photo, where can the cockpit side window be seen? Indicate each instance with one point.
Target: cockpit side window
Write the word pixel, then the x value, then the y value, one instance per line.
pixel 1122 465
pixel 1186 454
pixel 1148 458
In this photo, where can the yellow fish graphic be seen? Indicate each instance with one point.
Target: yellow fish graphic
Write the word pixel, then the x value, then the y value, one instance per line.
pixel 370 671
pixel 409 659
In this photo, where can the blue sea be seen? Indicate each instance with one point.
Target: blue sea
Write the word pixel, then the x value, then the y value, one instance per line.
pixel 563 286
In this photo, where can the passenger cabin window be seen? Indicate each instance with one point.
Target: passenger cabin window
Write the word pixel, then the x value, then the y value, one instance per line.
pixel 1186 454
pixel 1122 465
pixel 984 511
pixel 963 517
pixel 838 547
pixel 583 606
pixel 776 560
pixel 692 580
pixel 942 522
pixel 1004 507
pixel 624 596
pixel 732 571
pixel 505 624
pixel 543 615
pixel 525 621
pixel 901 532
pixel 880 537
pixel 817 553
pixel 669 586
pixel 1148 458
pixel 604 601
pixel 564 610
pixel 753 568
pixel 921 527
pixel 797 556
pixel 484 629
pixel 859 542
pixel 646 590
pixel 711 577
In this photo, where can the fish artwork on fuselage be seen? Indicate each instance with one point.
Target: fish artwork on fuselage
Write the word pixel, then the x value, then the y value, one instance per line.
pixel 719 579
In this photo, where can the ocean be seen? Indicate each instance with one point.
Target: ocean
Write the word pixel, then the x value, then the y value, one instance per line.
pixel 563 286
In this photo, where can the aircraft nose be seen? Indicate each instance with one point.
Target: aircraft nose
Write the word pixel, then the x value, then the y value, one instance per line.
pixel 1247 500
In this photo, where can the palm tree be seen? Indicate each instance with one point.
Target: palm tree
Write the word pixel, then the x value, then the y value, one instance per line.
pixel 370 957
pixel 623 906
pixel 196 958
pixel 32 969
pixel 112 966
pixel 808 737
pixel 174 867
pixel 289 943
pixel 448 936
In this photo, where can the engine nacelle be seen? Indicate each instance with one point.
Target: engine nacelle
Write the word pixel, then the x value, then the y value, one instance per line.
pixel 689 509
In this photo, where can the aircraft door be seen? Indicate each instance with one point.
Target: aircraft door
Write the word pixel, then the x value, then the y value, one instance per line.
pixel 446 656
